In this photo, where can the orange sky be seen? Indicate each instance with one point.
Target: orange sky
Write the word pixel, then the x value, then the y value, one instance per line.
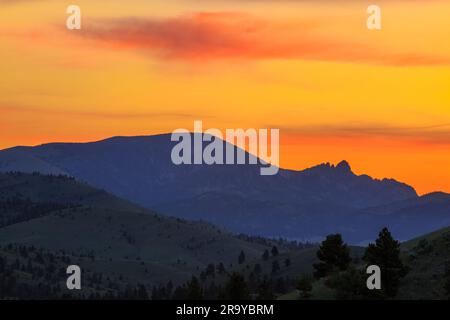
pixel 380 99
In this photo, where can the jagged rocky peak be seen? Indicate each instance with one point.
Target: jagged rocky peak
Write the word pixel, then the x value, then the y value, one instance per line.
pixel 344 166
pixel 327 167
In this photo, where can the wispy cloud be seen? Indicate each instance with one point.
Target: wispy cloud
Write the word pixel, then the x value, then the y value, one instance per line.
pixel 98 114
pixel 11 2
pixel 433 133
pixel 214 36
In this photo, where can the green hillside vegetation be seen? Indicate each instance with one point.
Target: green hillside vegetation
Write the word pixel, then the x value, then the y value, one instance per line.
pixel 124 242
pixel 31 273
pixel 430 237
pixel 89 221
pixel 428 258
pixel 128 252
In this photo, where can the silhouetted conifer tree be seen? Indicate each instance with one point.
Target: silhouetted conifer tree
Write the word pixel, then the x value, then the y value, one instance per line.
pixel 333 255
pixel 385 253
pixel 194 290
pixel 236 288
pixel 275 251
pixel 241 258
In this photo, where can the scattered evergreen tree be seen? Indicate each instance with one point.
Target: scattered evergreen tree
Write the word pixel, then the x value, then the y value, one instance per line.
pixel 447 287
pixel 423 247
pixel 194 290
pixel 385 253
pixel 142 292
pixel 265 255
pixel 447 280
pixel 241 258
pixel 236 288
pixel 169 288
pixel 275 251
pixel 333 254
pixel 210 270
pixel 221 268
pixel 180 293
pixel 287 262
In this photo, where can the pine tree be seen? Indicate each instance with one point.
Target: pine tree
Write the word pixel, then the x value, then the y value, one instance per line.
pixel 221 268
pixel 287 262
pixel 236 288
pixel 194 290
pixel 180 293
pixel 241 258
pixel 447 287
pixel 265 255
pixel 275 251
pixel 447 280
pixel 385 253
pixel 142 292
pixel 2 264
pixel 333 254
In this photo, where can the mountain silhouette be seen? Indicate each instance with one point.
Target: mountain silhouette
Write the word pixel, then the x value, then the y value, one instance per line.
pixel 304 204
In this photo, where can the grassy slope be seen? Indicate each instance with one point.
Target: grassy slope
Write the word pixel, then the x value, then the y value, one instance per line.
pixel 436 235
pixel 427 257
pixel 319 292
pixel 134 239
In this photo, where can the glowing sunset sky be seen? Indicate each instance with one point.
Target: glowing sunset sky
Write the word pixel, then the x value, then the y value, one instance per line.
pixel 379 99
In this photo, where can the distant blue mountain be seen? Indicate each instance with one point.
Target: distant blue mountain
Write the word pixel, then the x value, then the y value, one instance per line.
pixel 304 204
